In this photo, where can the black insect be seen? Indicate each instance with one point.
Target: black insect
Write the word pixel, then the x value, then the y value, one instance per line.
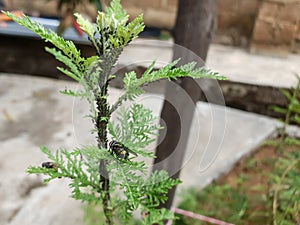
pixel 120 150
pixel 49 165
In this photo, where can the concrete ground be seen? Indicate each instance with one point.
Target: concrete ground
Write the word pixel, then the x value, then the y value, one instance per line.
pixel 235 63
pixel 33 113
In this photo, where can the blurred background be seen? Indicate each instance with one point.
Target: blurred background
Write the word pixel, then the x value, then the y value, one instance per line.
pixel 255 43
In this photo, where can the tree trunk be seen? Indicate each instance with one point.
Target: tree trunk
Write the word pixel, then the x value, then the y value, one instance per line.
pixel 193 30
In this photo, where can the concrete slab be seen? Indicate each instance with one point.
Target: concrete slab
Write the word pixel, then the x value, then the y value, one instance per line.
pixel 235 63
pixel 50 204
pixel 219 138
pixel 33 113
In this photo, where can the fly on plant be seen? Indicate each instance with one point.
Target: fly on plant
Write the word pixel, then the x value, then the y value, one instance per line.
pixel 50 165
pixel 120 150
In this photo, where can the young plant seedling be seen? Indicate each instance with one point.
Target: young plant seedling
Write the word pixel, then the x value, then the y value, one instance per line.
pixel 96 172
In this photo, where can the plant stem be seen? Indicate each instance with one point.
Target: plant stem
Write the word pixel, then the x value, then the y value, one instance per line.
pixel 289 112
pixel 101 125
pixel 106 62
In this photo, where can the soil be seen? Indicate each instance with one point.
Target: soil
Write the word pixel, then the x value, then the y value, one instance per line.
pixel 255 167
pixel 252 176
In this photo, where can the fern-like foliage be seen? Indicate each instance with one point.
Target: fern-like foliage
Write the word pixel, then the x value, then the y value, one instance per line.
pixel 133 85
pixel 284 190
pixel 64 51
pixel 136 128
pixel 291 113
pixel 97 174
pixel 69 165
pixel 284 181
pixel 112 29
pixel 140 192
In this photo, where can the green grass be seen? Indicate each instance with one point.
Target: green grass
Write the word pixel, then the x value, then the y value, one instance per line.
pixel 247 195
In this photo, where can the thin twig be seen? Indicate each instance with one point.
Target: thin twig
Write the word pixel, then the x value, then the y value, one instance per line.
pixel 198 217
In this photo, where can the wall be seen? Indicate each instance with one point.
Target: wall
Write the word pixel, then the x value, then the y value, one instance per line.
pixel 157 13
pixel 277 27
pixel 236 20
pixel 265 26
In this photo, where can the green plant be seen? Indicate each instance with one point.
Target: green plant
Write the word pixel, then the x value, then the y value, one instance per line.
pixel 284 191
pixel 217 201
pixel 96 173
pixel 291 113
